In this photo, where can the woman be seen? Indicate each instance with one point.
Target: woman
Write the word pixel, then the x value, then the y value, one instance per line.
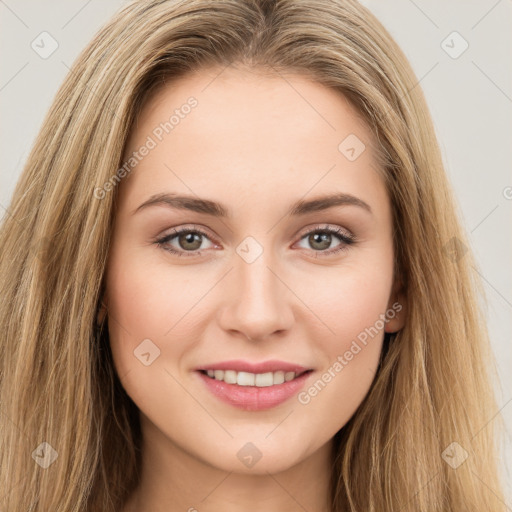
pixel 318 347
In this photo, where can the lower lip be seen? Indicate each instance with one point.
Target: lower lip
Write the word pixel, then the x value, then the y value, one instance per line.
pixel 254 398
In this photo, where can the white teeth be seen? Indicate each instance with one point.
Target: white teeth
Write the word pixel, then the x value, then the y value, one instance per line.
pixel 260 380
pixel 230 377
pixel 245 379
pixel 263 380
pixel 289 376
pixel 278 377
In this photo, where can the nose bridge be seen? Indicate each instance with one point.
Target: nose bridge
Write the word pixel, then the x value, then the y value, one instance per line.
pixel 258 283
pixel 259 304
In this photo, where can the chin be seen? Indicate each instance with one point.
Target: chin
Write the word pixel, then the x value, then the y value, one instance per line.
pixel 257 457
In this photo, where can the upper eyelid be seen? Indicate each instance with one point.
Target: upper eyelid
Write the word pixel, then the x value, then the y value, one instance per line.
pixel 322 227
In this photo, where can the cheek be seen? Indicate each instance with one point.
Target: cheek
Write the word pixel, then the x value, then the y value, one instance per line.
pixel 140 301
pixel 145 308
pixel 353 307
pixel 353 301
pixel 144 296
pixel 148 299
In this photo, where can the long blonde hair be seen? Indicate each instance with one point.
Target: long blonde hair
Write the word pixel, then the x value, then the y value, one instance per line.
pixel 57 381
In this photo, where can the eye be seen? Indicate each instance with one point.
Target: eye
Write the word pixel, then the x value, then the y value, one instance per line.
pixel 190 240
pixel 320 238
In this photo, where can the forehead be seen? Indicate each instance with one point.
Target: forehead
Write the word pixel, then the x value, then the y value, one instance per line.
pixel 250 132
pixel 255 102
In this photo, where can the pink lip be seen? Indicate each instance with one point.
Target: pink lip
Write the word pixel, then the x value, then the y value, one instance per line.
pixel 254 398
pixel 245 366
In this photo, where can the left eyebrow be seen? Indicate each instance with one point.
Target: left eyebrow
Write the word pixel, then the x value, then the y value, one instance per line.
pixel 215 209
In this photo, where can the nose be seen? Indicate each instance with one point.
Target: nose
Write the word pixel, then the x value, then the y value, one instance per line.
pixel 258 303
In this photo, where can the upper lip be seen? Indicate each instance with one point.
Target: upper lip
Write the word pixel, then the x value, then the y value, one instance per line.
pixel 240 365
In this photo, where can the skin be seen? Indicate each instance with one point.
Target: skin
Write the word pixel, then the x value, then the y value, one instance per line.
pixel 255 143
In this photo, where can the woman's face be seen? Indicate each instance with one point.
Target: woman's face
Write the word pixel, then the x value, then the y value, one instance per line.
pixel 264 270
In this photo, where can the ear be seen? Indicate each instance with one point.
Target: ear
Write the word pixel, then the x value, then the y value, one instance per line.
pixel 102 311
pixel 397 308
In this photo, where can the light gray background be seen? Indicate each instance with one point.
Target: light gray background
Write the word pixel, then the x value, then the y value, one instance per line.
pixel 470 98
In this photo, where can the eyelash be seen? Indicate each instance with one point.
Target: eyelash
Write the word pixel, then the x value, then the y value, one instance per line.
pixel 346 239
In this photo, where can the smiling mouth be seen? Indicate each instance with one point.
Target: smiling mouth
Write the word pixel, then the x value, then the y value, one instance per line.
pixel 259 380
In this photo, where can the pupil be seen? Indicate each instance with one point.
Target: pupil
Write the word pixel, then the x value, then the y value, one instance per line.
pixel 189 239
pixel 321 237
